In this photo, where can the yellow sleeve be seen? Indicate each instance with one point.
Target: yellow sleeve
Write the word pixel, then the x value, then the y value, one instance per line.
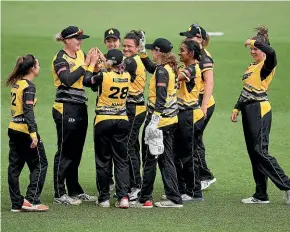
pixel 33 135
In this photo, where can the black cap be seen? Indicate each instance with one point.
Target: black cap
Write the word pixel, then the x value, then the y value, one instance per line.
pixel 194 30
pixel 115 55
pixel 161 44
pixel 112 32
pixel 73 32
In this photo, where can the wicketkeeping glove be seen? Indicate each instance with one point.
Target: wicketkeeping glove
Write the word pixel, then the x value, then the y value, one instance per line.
pixel 156 146
pixel 151 130
pixel 142 43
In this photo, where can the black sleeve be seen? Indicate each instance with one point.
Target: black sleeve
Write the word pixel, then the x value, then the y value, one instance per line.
pixel 162 79
pixel 271 59
pixel 28 102
pixel 131 67
pixel 189 72
pixel 149 65
pixel 239 103
pixel 206 62
pixel 93 79
pixel 68 78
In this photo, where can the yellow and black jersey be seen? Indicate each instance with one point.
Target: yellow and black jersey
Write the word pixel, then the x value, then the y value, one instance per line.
pixel 206 63
pixel 258 77
pixel 23 99
pixel 189 89
pixel 113 88
pixel 162 99
pixel 68 76
pixel 137 70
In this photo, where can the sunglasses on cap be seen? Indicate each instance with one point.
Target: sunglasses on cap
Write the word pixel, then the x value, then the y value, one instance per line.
pixel 80 32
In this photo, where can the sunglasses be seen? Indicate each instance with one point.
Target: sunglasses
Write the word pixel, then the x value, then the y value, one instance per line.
pixel 79 32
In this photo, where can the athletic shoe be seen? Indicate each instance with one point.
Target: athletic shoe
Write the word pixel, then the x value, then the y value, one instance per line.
pixel 134 194
pixel 168 204
pixel 136 204
pixel 123 203
pixel 185 197
pixel 206 183
pixel 287 197
pixel 164 197
pixel 252 200
pixel 86 197
pixel 104 204
pixel 66 200
pixel 16 210
pixel 27 206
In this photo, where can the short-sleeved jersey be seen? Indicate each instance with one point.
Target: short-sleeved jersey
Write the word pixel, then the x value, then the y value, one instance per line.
pixel 206 64
pixel 112 93
pixel 189 89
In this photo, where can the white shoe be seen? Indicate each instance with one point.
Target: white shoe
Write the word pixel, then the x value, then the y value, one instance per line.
pixel 252 200
pixel 168 204
pixel 287 197
pixel 65 199
pixel 134 194
pixel 123 203
pixel 86 197
pixel 185 197
pixel 104 204
pixel 16 210
pixel 206 183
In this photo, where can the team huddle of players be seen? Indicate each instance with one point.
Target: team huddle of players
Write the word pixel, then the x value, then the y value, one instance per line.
pixel 178 108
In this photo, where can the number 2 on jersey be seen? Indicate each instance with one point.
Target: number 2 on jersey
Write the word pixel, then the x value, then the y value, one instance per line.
pixel 116 92
pixel 13 99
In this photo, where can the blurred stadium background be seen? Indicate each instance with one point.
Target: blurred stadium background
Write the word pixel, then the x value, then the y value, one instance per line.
pixel 29 27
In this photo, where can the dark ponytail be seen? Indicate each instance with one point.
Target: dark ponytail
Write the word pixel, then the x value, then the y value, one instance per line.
pixel 134 35
pixel 193 47
pixel 21 69
pixel 262 35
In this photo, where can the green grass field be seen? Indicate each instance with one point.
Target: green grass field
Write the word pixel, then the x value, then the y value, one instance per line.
pixel 29 27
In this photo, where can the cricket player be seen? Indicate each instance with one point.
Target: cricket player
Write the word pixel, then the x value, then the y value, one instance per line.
pixel 25 145
pixel 111 127
pixel 70 115
pixel 256 112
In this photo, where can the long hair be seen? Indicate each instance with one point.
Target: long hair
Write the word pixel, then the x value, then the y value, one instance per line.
pixel 262 35
pixel 134 35
pixel 171 60
pixel 58 37
pixel 21 69
pixel 193 47
pixel 111 67
pixel 205 42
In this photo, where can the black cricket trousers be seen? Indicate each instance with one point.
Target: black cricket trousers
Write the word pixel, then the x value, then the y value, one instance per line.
pixel 257 118
pixel 136 115
pixel 166 165
pixel 71 126
pixel 19 154
pixel 186 160
pixel 110 137
pixel 204 172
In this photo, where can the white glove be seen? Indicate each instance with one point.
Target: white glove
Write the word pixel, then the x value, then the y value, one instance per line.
pixel 142 43
pixel 151 131
pixel 156 146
